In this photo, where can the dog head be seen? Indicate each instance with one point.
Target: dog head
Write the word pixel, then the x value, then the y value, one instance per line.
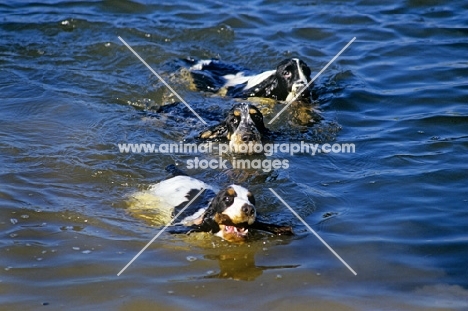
pixel 230 214
pixel 243 125
pixel 284 83
pixel 292 76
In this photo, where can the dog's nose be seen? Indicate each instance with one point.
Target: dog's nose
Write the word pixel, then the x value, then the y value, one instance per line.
pixel 247 137
pixel 299 84
pixel 248 210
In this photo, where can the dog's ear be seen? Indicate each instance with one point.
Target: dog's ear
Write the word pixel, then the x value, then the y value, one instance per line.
pixel 219 131
pixel 208 223
pixel 213 207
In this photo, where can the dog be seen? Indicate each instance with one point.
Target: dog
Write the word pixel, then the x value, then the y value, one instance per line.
pixel 243 125
pixel 229 214
pixel 281 84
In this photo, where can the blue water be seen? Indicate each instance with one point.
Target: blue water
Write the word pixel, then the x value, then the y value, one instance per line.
pixel 395 210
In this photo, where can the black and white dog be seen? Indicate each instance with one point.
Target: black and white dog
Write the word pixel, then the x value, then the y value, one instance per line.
pixel 229 213
pixel 282 83
pixel 243 125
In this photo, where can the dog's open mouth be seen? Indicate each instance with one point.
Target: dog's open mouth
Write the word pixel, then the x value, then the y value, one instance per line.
pixel 241 232
pixel 233 233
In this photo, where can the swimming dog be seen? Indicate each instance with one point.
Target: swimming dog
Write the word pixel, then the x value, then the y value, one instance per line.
pixel 243 125
pixel 282 84
pixel 230 213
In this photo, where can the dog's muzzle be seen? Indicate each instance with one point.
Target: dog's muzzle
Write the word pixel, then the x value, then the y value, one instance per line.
pixel 297 87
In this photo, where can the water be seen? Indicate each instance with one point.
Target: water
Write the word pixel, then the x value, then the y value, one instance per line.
pixel 395 210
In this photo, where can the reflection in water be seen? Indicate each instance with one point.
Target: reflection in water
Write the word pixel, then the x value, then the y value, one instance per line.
pixel 241 266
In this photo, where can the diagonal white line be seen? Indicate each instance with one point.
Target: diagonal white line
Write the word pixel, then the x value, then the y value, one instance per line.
pixel 162 80
pixel 315 233
pixel 311 81
pixel 160 232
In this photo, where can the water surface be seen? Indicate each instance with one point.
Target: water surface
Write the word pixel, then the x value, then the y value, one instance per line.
pixel 395 210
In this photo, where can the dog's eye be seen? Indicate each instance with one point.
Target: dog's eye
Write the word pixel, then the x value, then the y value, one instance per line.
pixel 228 200
pixel 286 74
pixel 257 118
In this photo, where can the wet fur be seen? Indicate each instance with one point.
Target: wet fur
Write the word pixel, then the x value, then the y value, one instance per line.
pixel 280 84
pixel 243 124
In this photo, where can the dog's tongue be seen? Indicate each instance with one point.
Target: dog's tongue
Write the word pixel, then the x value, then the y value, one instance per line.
pixel 238 231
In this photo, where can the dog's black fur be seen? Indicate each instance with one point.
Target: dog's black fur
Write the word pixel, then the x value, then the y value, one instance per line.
pixel 243 124
pixel 290 76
